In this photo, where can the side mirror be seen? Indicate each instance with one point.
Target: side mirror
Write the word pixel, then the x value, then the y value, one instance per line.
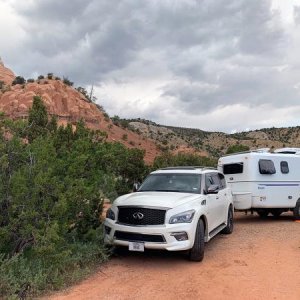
pixel 136 186
pixel 213 189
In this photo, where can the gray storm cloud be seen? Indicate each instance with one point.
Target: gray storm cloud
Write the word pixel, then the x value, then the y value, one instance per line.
pixel 213 53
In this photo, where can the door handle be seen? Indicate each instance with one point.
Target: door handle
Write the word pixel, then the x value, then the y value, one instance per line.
pixel 217 197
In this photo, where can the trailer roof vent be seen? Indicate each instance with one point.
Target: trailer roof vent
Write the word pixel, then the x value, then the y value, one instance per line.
pixel 288 150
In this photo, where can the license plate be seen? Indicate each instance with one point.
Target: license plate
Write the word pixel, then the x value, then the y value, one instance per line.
pixel 135 246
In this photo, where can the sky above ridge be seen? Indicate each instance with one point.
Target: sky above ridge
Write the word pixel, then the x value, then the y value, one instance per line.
pixel 209 64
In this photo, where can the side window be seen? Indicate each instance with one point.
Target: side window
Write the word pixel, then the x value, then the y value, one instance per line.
pixel 235 168
pixel 208 181
pixel 284 167
pixel 222 179
pixel 216 180
pixel 266 166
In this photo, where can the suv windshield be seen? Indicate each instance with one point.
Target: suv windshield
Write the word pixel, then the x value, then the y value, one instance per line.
pixel 172 182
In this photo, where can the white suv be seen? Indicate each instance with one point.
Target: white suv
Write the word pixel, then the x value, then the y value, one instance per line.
pixel 178 208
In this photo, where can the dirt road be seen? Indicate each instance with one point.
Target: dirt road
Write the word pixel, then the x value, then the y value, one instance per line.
pixel 260 260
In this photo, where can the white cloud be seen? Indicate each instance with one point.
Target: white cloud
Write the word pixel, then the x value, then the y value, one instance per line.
pixel 215 65
pixel 11 33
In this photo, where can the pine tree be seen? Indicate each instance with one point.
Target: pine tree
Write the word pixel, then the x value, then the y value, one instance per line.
pixel 38 119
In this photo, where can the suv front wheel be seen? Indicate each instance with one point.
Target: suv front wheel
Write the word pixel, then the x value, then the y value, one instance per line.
pixel 197 252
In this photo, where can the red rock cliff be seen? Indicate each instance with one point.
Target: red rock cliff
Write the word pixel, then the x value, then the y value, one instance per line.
pixel 69 106
pixel 6 75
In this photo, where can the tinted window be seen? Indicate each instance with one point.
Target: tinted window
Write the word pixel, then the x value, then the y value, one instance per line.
pixel 216 179
pixel 266 166
pixel 172 182
pixel 284 166
pixel 222 179
pixel 235 168
pixel 208 181
pixel 212 179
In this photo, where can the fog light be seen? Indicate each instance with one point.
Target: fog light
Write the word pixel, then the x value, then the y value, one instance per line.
pixel 180 236
pixel 107 229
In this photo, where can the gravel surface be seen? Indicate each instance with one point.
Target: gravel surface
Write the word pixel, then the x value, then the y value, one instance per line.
pixel 260 260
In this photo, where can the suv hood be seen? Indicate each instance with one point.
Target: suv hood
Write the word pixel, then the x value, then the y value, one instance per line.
pixel 156 199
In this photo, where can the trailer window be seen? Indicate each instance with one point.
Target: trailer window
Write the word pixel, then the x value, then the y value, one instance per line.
pixel 284 166
pixel 235 168
pixel 266 166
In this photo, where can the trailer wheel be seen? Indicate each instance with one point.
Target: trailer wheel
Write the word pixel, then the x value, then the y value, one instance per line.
pixel 297 210
pixel 197 252
pixel 263 213
pixel 229 228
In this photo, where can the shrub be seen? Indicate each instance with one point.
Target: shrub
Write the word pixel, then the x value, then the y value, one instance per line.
pixel 18 80
pixel 106 116
pixel 182 159
pixel 66 81
pixel 30 80
pixel 50 75
pixel 51 196
pixel 41 77
pixel 237 148
pixel 83 91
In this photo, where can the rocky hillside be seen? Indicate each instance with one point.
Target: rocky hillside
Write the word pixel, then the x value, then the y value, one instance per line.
pixel 215 143
pixel 68 104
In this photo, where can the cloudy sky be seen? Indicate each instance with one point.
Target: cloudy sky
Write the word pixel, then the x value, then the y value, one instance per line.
pixel 209 64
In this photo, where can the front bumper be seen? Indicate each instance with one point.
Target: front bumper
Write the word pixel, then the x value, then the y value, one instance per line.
pixel 170 243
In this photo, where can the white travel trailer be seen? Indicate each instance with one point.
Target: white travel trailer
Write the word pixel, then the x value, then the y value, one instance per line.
pixel 264 182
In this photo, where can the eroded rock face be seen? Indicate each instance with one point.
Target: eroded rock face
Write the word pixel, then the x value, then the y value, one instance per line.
pixel 60 100
pixel 6 75
pixel 69 106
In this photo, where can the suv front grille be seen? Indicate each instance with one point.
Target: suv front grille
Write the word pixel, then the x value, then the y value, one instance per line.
pixel 134 215
pixel 138 237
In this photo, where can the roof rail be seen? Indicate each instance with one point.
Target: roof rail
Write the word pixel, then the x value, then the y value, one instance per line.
pixel 204 167
pixel 188 168
pixel 179 168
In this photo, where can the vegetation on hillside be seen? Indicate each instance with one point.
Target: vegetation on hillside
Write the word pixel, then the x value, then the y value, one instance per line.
pixel 52 184
pixel 182 159
pixel 237 148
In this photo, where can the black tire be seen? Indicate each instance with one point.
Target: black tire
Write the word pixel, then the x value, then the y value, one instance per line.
pixel 197 252
pixel 276 213
pixel 263 213
pixel 297 211
pixel 229 227
pixel 119 251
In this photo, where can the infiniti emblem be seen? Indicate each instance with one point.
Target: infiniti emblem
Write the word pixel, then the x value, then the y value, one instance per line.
pixel 138 215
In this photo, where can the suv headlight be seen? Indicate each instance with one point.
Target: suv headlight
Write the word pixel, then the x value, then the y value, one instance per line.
pixel 110 214
pixel 184 217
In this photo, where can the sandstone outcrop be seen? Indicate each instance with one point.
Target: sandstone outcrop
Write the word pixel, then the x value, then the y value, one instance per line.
pixel 69 106
pixel 6 75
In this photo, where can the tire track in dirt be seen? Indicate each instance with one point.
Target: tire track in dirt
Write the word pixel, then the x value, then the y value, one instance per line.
pixel 260 260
